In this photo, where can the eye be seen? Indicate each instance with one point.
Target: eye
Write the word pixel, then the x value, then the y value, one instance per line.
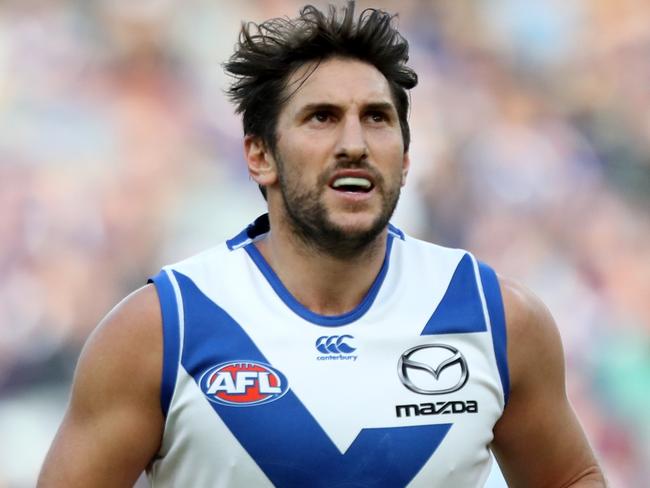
pixel 377 116
pixel 321 116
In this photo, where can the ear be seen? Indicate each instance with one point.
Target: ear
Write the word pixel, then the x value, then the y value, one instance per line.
pixel 260 161
pixel 406 164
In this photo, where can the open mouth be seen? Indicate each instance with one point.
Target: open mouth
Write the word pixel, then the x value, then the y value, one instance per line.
pixel 352 184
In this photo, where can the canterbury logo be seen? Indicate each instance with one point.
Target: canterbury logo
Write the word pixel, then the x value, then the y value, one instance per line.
pixel 335 344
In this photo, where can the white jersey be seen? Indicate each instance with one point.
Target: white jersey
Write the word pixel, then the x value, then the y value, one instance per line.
pixel 258 391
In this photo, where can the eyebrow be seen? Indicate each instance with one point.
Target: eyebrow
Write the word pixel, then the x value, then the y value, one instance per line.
pixel 315 107
pixel 373 107
pixel 380 107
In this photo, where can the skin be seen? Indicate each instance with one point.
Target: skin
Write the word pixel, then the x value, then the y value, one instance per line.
pixel 323 124
pixel 114 424
pixel 538 441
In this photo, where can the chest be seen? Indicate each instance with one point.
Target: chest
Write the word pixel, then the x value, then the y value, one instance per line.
pixel 372 403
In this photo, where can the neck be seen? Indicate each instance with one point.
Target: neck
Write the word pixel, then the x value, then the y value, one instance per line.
pixel 325 284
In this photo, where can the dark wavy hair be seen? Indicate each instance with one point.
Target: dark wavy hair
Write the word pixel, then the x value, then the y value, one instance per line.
pixel 267 54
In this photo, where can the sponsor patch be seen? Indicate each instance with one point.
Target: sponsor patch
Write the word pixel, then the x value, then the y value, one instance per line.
pixel 243 383
pixel 336 348
pixel 437 408
pixel 433 369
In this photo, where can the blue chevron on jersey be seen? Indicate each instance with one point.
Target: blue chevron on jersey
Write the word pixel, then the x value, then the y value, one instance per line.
pixel 252 402
pixel 460 310
pixel 282 437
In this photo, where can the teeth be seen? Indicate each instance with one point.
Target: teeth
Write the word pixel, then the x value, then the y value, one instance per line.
pixel 351 181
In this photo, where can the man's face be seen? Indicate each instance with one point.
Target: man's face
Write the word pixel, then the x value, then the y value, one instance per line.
pixel 340 155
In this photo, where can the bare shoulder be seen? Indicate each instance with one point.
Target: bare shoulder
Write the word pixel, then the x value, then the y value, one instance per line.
pixel 132 331
pixel 531 331
pixel 123 357
pixel 114 420
pixel 124 352
pixel 538 441
pixel 523 307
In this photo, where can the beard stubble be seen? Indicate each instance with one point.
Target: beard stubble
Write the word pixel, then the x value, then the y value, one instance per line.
pixel 309 219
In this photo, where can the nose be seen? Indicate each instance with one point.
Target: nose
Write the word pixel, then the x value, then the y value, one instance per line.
pixel 352 141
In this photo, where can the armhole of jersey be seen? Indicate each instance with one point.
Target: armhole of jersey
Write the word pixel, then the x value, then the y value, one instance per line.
pixel 494 303
pixel 171 337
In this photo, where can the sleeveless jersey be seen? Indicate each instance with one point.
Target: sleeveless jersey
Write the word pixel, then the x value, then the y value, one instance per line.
pixel 258 391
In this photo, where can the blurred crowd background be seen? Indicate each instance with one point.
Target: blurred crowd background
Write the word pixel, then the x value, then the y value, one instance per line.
pixel 120 153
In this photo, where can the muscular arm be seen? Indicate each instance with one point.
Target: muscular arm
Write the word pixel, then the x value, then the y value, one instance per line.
pixel 114 422
pixel 538 441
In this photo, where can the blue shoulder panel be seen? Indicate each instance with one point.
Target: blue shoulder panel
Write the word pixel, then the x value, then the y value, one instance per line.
pixel 282 436
pixel 497 319
pixel 171 337
pixel 460 310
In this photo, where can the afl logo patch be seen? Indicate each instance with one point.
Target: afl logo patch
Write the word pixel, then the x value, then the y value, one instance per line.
pixel 243 383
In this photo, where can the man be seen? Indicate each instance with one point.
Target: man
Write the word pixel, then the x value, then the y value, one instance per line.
pixel 322 346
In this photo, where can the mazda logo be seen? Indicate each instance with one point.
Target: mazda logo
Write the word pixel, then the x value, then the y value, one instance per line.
pixel 421 377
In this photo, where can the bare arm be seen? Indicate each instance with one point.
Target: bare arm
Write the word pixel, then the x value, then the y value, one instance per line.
pixel 538 441
pixel 114 422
